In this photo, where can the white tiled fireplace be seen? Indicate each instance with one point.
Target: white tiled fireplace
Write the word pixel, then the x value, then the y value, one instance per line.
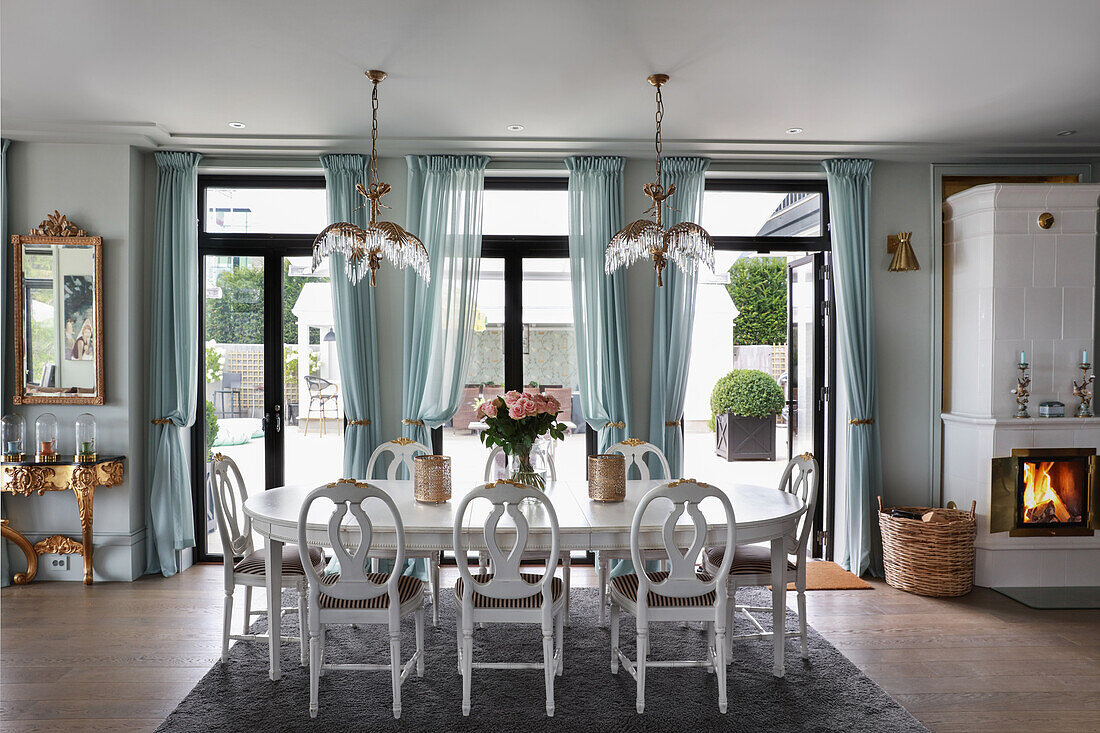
pixel 1011 286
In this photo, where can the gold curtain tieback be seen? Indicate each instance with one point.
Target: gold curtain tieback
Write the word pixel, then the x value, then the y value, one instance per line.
pixel 407 421
pixel 162 421
pixel 862 421
pixel 358 422
pixel 618 424
pixel 671 423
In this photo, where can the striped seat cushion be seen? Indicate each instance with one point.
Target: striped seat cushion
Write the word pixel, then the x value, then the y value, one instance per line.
pixel 627 585
pixel 747 560
pixel 254 563
pixel 532 601
pixel 408 588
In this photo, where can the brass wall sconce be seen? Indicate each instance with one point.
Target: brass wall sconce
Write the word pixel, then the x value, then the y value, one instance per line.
pixel 905 260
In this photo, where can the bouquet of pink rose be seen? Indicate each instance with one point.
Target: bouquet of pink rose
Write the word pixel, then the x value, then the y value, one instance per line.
pixel 516 420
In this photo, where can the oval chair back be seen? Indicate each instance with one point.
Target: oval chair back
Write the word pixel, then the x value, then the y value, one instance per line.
pixel 354 582
pixel 635 451
pixel 506 581
pixel 491 463
pixel 234 526
pixel 802 477
pixel 403 451
pixel 683 581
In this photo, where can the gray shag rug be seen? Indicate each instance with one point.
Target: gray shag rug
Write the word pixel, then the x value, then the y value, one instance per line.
pixel 824 693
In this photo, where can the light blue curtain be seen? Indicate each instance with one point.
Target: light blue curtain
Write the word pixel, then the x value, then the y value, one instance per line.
pixel 673 317
pixel 849 191
pixel 444 210
pixel 173 359
pixel 5 564
pixel 599 300
pixel 356 324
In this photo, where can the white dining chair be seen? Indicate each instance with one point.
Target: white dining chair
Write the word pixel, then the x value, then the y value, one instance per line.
pixel 235 529
pixel 680 594
pixel 752 565
pixel 356 596
pixel 491 474
pixel 402 451
pixel 635 451
pixel 508 596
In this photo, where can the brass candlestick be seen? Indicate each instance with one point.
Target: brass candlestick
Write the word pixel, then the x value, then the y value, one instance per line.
pixel 1083 391
pixel 1022 390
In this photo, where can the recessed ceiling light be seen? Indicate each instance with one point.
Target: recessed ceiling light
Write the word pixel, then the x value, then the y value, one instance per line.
pixel 1066 133
pixel 794 130
pixel 514 128
pixel 237 125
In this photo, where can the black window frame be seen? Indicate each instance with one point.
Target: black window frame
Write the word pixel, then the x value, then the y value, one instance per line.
pixel 242 244
pixel 766 244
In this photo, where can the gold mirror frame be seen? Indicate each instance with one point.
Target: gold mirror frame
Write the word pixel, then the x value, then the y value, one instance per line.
pixel 20 395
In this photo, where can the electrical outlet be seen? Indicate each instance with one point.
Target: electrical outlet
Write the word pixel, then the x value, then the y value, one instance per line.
pixel 61 562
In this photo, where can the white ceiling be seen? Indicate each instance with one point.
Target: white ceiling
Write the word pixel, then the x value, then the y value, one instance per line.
pixel 882 77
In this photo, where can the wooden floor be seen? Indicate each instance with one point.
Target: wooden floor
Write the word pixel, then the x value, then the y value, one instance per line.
pixel 120 656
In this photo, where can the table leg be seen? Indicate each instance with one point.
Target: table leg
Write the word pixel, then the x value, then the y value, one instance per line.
pixel 28 550
pixel 779 602
pixel 274 604
pixel 84 488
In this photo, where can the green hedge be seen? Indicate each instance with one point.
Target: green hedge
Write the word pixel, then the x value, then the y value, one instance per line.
pixel 746 392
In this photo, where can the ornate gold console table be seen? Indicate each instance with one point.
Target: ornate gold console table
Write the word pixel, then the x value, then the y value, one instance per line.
pixel 27 477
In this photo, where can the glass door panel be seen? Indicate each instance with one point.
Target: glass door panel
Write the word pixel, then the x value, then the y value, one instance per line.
pixel 802 387
pixel 234 397
pixel 313 393
pixel 550 357
pixel 484 377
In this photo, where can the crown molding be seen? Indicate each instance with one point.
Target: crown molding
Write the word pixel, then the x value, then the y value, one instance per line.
pixel 153 136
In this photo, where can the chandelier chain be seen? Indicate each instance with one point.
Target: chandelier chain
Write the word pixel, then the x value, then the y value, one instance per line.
pixel 374 134
pixel 657 140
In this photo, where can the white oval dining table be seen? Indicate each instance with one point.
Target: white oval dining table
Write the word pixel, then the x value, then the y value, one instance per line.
pixel 762 515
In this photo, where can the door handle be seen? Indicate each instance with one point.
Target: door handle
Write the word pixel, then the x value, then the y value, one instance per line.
pixel 278 419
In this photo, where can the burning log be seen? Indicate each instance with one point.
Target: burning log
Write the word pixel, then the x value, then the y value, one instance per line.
pixel 1043 513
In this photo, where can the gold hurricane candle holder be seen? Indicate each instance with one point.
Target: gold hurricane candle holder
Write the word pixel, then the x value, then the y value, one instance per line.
pixel 607 477
pixel 432 478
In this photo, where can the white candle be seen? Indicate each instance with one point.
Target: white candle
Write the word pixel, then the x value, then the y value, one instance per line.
pixel 1084 356
pixel 1023 357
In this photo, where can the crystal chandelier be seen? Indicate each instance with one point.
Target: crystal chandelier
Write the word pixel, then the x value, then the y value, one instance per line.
pixel 363 248
pixel 685 243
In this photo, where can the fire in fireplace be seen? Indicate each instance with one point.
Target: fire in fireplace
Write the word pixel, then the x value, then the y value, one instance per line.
pixel 1044 492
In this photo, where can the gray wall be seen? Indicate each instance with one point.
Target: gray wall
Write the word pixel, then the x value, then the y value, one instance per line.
pixel 100 188
pixel 109 190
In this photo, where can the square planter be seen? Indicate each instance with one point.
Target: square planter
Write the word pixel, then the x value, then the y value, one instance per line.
pixel 740 438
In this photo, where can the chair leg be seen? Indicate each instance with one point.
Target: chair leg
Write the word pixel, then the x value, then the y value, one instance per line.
pixel 604 571
pixel 314 670
pixel 548 668
pixel 302 625
pixel 227 622
pixel 247 609
pixel 418 617
pixel 614 638
pixel 395 670
pixel 467 668
pixel 458 635
pixel 643 650
pixel 433 568
pixel 559 634
pixel 482 562
pixel 802 623
pixel 710 641
pixel 731 616
pixel 720 666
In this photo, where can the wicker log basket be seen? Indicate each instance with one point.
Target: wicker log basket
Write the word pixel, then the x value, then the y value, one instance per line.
pixel 929 558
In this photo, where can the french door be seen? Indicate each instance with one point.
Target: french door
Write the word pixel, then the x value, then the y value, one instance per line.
pixel 809 361
pixel 268 381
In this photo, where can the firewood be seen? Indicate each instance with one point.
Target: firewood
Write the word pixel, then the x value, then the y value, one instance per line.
pixel 935 515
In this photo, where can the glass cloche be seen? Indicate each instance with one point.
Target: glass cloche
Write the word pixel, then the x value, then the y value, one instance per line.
pixel 14 429
pixel 45 438
pixel 85 438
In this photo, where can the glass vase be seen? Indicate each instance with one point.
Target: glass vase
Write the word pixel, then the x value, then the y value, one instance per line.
pixel 522 470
